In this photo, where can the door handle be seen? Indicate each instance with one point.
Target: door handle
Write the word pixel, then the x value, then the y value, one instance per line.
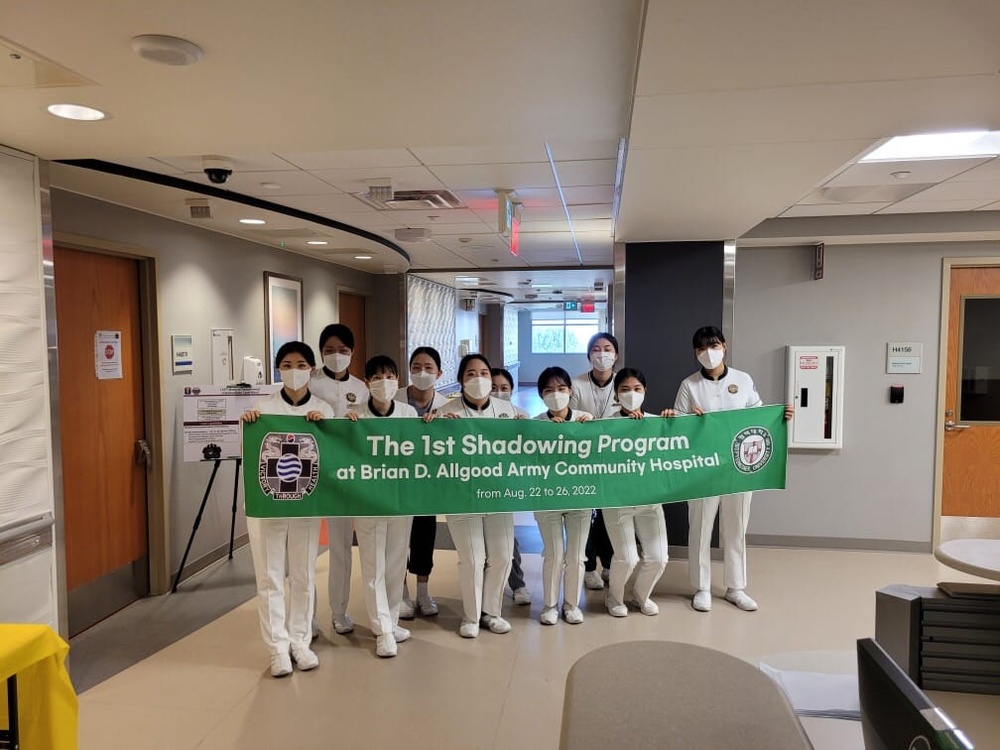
pixel 951 426
pixel 143 454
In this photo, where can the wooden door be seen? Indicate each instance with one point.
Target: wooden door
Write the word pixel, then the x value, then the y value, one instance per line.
pixel 104 486
pixel 351 309
pixel 971 473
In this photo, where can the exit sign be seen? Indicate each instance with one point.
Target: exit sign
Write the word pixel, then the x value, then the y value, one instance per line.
pixel 587 307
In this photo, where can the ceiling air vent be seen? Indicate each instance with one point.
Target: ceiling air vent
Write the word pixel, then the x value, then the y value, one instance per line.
pixel 411 200
pixel 412 234
pixel 199 208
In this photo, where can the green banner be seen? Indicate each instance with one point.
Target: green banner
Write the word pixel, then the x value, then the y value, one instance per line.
pixel 388 467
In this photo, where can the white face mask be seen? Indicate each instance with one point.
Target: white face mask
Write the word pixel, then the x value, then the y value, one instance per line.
pixel 556 401
pixel 502 395
pixel 295 379
pixel 423 380
pixel 631 400
pixel 603 361
pixel 477 388
pixel 337 362
pixel 711 358
pixel 383 390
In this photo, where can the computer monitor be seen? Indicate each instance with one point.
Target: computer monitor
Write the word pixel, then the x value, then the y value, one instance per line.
pixel 895 713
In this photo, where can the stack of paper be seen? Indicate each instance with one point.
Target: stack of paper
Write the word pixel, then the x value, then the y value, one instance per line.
pixel 829 696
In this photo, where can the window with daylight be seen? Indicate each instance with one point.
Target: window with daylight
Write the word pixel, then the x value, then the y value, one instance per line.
pixel 562 332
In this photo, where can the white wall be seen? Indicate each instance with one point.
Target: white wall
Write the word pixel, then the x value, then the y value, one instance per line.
pixel 881 485
pixel 28 584
pixel 205 280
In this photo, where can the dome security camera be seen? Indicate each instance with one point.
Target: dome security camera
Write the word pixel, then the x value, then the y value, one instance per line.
pixel 217 170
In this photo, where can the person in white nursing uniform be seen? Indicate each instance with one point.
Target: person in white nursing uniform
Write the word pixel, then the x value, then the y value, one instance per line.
pixel 383 540
pixel 272 540
pixel 593 392
pixel 344 392
pixel 425 370
pixel 484 541
pixel 563 532
pixel 717 387
pixel 628 522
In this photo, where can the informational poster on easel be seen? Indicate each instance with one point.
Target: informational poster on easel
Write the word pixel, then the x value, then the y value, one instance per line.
pixel 212 419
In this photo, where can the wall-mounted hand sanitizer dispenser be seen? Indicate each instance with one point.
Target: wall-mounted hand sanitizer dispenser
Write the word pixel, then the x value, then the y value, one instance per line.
pixel 816 390
pixel 253 371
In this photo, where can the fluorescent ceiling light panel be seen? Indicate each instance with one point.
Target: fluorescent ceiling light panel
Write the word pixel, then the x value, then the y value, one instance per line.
pixel 76 112
pixel 965 145
pixel 467 279
pixel 362 257
pixel 252 221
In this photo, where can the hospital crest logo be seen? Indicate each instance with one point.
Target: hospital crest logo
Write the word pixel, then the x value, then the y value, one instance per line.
pixel 288 467
pixel 751 449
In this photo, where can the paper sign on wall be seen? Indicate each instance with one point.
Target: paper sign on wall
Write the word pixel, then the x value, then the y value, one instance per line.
pixel 108 355
pixel 182 346
pixel 903 357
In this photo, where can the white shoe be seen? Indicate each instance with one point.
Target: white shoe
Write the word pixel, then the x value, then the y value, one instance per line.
pixel 401 634
pixel 281 665
pixel 305 658
pixel 522 596
pixel 427 606
pixel 606 575
pixel 572 614
pixel 593 581
pixel 385 646
pixel 343 624
pixel 468 629
pixel 550 616
pixel 648 607
pixel 741 600
pixel 406 608
pixel 496 624
pixel 616 610
pixel 702 601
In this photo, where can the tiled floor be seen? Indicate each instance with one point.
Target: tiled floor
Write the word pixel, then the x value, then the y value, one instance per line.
pixel 211 689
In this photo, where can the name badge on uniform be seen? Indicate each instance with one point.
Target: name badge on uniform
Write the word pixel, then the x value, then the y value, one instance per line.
pixel 734 388
pixel 352 397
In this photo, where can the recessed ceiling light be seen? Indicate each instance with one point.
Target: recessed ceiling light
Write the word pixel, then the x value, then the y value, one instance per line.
pixel 317 242
pixel 76 112
pixel 270 186
pixel 252 221
pixel 964 145
pixel 900 174
pixel 362 257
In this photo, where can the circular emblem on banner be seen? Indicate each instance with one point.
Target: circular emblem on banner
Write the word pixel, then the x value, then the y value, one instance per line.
pixel 751 449
pixel 734 388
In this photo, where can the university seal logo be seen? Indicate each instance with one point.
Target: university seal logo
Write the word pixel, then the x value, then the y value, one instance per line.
pixel 288 467
pixel 751 449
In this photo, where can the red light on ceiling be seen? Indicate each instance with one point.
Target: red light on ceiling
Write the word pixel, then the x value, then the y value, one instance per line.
pixel 587 307
pixel 515 235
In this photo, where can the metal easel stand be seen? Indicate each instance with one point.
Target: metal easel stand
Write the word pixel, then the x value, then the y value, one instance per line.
pixel 201 510
pixel 10 738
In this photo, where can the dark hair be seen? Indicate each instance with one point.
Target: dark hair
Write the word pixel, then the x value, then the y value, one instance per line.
pixel 706 336
pixel 465 363
pixel 339 330
pixel 295 347
pixel 380 363
pixel 603 335
pixel 430 351
pixel 553 373
pixel 505 374
pixel 629 372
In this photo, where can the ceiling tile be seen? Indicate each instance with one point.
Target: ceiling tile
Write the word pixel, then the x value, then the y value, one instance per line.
pixel 355 180
pixel 579 173
pixel 953 191
pixel 332 205
pixel 834 209
pixel 292 182
pixel 570 150
pixel 915 207
pixel 468 155
pixel 921 171
pixel 149 164
pixel 245 163
pixel 361 159
pixel 484 176
pixel 983 173
pixel 441 218
pixel 588 195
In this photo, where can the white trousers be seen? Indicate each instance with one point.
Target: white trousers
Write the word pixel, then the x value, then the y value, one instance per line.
pixel 485 546
pixel 340 534
pixel 735 512
pixel 624 524
pixel 271 541
pixel 559 554
pixel 383 543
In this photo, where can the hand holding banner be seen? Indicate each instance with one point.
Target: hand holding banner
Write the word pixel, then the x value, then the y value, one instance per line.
pixel 388 467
